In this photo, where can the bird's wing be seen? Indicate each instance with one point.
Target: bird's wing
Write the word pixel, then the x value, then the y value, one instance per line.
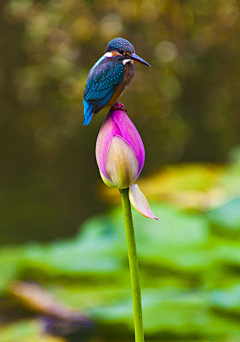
pixel 102 82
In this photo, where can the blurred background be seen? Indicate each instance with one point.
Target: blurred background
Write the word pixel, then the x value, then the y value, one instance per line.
pixel 186 108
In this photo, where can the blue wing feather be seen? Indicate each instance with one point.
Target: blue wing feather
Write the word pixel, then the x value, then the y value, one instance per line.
pixel 100 103
pixel 88 112
pixel 103 80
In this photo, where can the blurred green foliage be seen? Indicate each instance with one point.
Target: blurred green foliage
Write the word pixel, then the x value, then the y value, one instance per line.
pixel 189 268
pixel 188 100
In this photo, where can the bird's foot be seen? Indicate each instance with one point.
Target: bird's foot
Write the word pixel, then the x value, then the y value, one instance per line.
pixel 119 106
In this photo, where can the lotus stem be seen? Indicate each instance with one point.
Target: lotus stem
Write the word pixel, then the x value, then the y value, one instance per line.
pixel 133 265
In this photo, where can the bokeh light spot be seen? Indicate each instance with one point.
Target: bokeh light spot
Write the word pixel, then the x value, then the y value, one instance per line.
pixel 111 25
pixel 166 51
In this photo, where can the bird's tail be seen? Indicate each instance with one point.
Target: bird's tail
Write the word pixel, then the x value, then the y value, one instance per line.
pixel 88 112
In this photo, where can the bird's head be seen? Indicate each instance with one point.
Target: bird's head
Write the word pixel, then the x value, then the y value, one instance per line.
pixel 122 47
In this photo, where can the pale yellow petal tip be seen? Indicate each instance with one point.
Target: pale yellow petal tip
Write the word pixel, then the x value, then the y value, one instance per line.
pixel 140 202
pixel 106 181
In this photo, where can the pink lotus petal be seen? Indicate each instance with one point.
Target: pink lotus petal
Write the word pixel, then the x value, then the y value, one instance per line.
pixel 108 129
pixel 131 135
pixel 117 123
pixel 140 202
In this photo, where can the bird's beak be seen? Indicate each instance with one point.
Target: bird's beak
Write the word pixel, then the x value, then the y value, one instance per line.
pixel 138 59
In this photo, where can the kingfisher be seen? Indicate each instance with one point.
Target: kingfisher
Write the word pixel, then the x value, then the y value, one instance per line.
pixel 109 77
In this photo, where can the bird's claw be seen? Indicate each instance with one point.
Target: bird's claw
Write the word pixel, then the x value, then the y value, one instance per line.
pixel 119 106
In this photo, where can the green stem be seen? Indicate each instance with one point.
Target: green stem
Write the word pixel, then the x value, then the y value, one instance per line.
pixel 133 265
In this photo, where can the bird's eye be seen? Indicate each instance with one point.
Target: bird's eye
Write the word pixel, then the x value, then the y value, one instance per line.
pixel 121 52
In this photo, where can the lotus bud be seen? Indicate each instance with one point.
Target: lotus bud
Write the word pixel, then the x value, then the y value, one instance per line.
pixel 120 156
pixel 120 151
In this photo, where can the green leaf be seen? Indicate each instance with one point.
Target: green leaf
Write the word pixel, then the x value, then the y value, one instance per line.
pixel 226 219
pixel 227 299
pixel 9 260
pixel 177 240
pixel 95 251
pixel 169 310
pixel 24 331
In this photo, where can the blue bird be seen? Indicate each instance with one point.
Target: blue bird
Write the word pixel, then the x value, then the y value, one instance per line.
pixel 109 77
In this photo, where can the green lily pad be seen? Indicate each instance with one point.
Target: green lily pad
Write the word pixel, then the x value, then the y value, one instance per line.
pixel 226 219
pixel 169 310
pixel 176 241
pixel 95 252
pixel 227 299
pixel 9 260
